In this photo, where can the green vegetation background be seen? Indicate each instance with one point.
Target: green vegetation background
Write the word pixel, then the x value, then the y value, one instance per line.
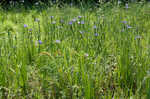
pixel 75 52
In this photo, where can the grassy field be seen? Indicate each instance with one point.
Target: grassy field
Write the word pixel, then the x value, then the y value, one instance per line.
pixel 75 53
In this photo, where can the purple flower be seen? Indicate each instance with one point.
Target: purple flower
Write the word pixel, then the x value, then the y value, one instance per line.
pixel 51 17
pixel 127 6
pixel 82 22
pixel 129 27
pixel 79 17
pixel 70 22
pixel 79 22
pixel 125 22
pixel 86 54
pixel 74 20
pixel 96 34
pixel 25 26
pixel 40 42
pixel 30 30
pixel 94 27
pixel 81 32
pixel 57 41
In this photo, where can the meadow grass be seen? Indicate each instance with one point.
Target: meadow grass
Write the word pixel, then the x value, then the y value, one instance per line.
pixel 75 53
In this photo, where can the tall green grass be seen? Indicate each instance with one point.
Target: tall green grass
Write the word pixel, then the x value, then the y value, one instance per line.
pixel 75 53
